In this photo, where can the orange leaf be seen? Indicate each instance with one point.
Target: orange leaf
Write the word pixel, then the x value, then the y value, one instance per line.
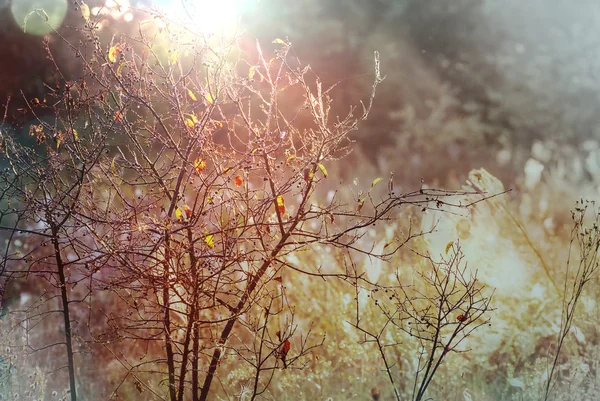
pixel 280 204
pixel 278 279
pixel 238 181
pixel 118 117
pixel 188 211
pixel 361 203
pixel 114 52
pixel 199 165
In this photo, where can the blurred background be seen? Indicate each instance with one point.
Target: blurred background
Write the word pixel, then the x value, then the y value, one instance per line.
pixel 470 83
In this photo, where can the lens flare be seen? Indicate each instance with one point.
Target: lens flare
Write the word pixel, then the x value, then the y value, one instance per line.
pixel 39 17
pixel 208 16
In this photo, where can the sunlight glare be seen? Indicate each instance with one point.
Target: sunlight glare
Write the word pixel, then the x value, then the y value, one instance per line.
pixel 208 16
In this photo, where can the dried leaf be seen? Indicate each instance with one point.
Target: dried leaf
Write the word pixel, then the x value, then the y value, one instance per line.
pixel 252 71
pixel 375 181
pixel 308 174
pixel 388 244
pixel 174 57
pixel 118 117
pixel 191 121
pixel 120 69
pixel 85 11
pixel 281 204
pixel 209 240
pixel 278 279
pixel 238 181
pixel 199 165
pixel 192 96
pixel 361 203
pixel 114 52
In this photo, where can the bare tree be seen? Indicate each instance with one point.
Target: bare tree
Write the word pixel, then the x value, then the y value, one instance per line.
pixel 173 186
pixel 439 311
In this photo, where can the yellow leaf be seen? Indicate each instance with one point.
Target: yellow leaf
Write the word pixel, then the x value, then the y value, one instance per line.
pixel 280 204
pixel 323 169
pixel 375 181
pixel 114 51
pixel 191 121
pixel 174 56
pixel 85 11
pixel 75 135
pixel 251 72
pixel 199 165
pixel 120 68
pixel 279 41
pixel 191 95
pixel 209 98
pixel 449 246
pixel 183 214
pixel 209 240
pixel 308 174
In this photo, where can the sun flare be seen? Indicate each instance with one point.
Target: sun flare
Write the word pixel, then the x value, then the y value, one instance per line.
pixel 207 16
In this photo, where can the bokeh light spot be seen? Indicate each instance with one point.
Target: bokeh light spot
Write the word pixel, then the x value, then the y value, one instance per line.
pixel 39 17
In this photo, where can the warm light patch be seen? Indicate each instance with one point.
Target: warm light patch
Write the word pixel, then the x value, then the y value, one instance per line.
pixel 207 16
